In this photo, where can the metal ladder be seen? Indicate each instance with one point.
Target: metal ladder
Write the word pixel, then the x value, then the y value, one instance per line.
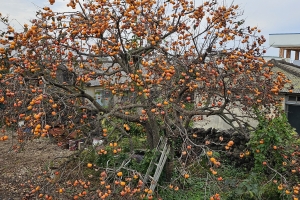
pixel 163 150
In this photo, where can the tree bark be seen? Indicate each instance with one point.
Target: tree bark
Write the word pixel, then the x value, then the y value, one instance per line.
pixel 169 167
pixel 152 130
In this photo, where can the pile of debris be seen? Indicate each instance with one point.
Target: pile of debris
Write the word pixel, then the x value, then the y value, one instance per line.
pixel 217 140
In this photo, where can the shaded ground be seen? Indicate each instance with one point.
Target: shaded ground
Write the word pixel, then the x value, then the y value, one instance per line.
pixel 19 170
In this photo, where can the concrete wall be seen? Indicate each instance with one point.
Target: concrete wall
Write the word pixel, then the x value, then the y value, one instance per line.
pixel 91 91
pixel 296 62
pixel 218 123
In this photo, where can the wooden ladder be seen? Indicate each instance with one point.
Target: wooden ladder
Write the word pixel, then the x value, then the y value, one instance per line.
pixel 162 150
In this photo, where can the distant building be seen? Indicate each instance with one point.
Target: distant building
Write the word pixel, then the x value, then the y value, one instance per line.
pixel 291 102
pixel 287 43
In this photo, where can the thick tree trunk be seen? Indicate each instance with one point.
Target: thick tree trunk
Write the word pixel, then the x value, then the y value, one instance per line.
pixel 152 130
pixel 169 167
pixel 153 135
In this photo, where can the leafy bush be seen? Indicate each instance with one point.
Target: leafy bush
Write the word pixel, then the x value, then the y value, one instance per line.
pixel 272 139
pixel 274 146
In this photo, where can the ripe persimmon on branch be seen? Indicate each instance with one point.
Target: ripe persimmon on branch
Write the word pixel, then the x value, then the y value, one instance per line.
pixel 164 62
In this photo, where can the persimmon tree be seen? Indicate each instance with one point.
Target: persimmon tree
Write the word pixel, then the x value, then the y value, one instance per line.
pixel 166 64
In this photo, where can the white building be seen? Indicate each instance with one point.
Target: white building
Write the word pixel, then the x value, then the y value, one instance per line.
pixel 288 44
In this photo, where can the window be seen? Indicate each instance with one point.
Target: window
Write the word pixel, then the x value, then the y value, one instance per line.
pixel 292 108
pixel 292 98
pixel 103 97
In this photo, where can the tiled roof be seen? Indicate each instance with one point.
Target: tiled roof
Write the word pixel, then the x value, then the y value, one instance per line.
pixel 94 83
pixel 291 71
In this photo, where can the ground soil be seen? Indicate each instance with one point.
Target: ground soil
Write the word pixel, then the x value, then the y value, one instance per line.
pixel 19 169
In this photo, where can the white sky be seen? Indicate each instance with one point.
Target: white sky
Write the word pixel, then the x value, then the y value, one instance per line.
pixel 271 16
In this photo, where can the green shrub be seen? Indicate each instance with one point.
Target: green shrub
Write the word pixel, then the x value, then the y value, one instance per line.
pixel 270 141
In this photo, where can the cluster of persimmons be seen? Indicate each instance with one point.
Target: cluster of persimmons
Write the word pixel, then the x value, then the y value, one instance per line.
pixel 164 63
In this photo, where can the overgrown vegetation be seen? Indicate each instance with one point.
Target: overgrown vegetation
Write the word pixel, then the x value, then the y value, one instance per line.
pixel 163 66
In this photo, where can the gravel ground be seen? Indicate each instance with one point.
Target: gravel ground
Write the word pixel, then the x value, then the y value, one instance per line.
pixel 19 170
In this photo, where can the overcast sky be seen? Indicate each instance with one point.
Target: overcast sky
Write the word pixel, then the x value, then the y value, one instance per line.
pixel 271 16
